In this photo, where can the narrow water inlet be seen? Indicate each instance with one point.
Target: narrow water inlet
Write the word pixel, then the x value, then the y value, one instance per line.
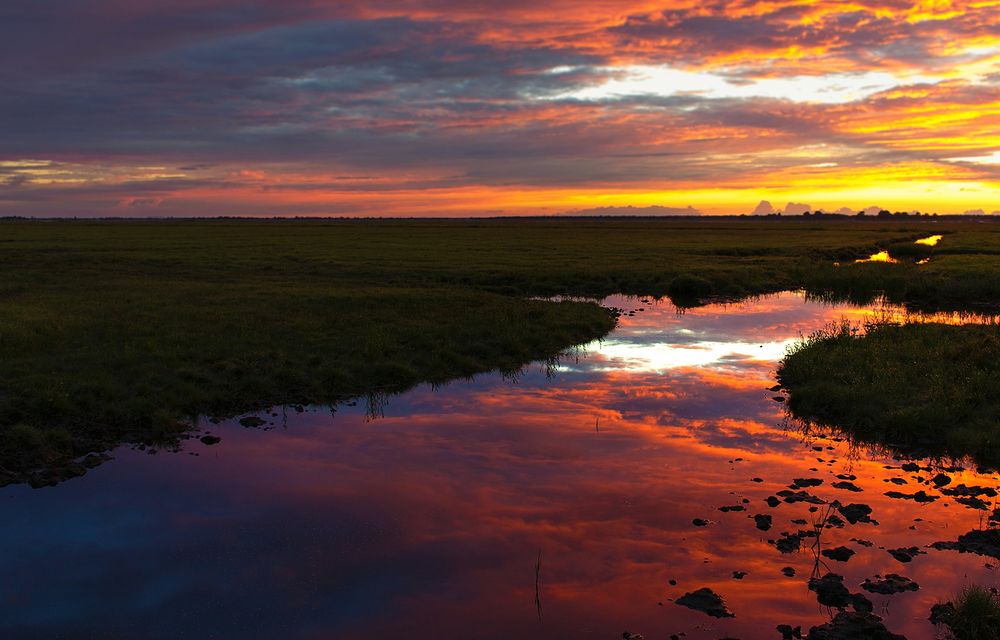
pixel 467 505
pixel 884 256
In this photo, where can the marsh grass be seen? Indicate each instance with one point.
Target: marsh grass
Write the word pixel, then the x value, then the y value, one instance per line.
pixel 926 389
pixel 124 331
pixel 974 615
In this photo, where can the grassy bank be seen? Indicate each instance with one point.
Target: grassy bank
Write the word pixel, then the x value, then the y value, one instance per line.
pixel 115 331
pixel 926 389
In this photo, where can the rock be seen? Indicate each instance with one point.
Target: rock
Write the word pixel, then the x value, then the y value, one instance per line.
pixel 631 636
pixel 920 496
pixel 853 626
pixel 984 542
pixel 849 486
pixel 737 507
pixel 898 481
pixel 772 502
pixel 861 604
pixel 975 490
pixel 789 542
pixel 840 554
pixel 973 503
pixel 890 584
pixel 763 522
pixel 210 439
pixel 830 591
pixel 788 571
pixel 905 554
pixel 802 483
pixel 791 497
pixel 912 467
pixel 941 480
pixel 739 575
pixel 252 422
pixel 856 513
pixel 706 601
pixel 700 522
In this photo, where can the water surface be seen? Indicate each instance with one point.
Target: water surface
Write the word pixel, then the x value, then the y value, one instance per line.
pixel 557 504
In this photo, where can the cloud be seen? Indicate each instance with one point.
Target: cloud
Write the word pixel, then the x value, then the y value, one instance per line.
pixel 796 208
pixel 458 109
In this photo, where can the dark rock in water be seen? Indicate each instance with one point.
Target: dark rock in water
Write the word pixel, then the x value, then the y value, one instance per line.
pixel 631 636
pixel 788 571
pixel 763 522
pixel 739 575
pixel 942 613
pixel 834 521
pixel 788 632
pixel 789 542
pixel 853 626
pixel 252 421
pixel 830 591
pixel 974 503
pixel 791 497
pixel 706 601
pixel 802 483
pixel 897 481
pixel 984 542
pixel 756 479
pixel 890 584
pixel 905 554
pixel 210 439
pixel 776 387
pixel 941 480
pixel 778 398
pixel 849 486
pixel 861 604
pixel 856 513
pixel 973 491
pixel 772 502
pixel 840 554
pixel 912 467
pixel 700 522
pixel 737 507
pixel 862 542
pixel 920 496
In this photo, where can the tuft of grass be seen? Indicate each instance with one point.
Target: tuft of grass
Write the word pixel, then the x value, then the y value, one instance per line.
pixel 974 615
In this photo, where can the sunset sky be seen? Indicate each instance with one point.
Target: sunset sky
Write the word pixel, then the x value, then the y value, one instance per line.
pixel 442 107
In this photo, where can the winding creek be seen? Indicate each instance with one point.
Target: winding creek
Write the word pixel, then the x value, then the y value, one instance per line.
pixel 560 504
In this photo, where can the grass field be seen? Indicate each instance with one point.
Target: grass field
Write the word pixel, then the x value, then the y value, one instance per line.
pixel 118 331
pixel 926 390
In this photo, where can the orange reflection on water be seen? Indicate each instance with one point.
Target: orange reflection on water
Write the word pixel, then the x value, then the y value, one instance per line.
pixel 881 256
pixel 930 241
pixel 427 522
